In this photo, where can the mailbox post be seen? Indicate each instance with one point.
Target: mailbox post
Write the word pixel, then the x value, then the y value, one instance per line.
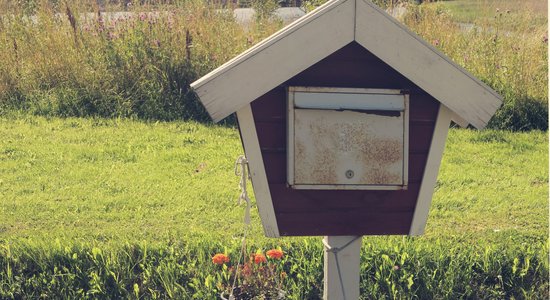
pixel 344 115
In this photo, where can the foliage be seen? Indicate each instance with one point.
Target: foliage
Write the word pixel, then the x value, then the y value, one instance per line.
pixel 111 208
pixel 390 268
pixel 256 278
pixel 68 61
pixel 507 51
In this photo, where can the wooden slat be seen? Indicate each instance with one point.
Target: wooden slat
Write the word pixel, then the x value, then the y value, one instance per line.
pixel 432 169
pixel 272 134
pixel 420 136
pixel 257 171
pixel 270 107
pixel 404 51
pixel 357 74
pixel 287 200
pixel 424 108
pixel 277 58
pixel 348 223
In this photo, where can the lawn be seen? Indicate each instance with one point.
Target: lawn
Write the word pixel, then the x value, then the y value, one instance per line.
pixel 73 187
pixel 111 208
pixel 108 180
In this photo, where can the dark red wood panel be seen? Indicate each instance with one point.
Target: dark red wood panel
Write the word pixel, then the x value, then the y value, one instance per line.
pixel 344 223
pixel 306 201
pixel 357 212
pixel 272 135
pixel 269 107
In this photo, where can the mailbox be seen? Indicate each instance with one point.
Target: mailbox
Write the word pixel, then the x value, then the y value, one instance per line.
pixel 343 115
pixel 347 138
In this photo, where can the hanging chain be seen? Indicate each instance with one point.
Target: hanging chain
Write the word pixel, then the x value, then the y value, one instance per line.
pixel 335 250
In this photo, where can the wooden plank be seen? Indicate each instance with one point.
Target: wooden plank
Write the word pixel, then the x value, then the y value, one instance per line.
pixel 420 136
pixel 432 169
pixel 459 120
pixel 424 65
pixel 270 107
pixel 356 74
pixel 343 223
pixel 287 200
pixel 277 58
pixel 341 278
pixel 271 134
pixel 424 108
pixel 257 171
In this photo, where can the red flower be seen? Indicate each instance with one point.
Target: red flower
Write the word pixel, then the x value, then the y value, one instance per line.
pixel 220 259
pixel 259 258
pixel 275 253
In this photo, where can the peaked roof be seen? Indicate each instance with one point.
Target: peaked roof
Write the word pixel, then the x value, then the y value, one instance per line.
pixel 327 29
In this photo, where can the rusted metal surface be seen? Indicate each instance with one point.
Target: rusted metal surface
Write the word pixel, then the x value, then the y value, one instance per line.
pixel 347 147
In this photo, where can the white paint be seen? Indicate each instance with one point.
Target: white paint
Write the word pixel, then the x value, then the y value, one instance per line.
pixel 349 101
pixel 424 65
pixel 253 154
pixel 349 259
pixel 429 179
pixel 276 59
pixel 459 120
pixel 325 30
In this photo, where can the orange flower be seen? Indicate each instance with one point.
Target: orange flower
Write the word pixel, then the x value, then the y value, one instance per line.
pixel 275 253
pixel 259 258
pixel 220 259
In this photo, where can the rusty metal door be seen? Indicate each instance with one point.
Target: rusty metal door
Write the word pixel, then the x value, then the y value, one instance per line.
pixel 347 140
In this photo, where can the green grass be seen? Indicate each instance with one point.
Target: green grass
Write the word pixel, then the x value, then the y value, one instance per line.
pixel 118 208
pixel 93 207
pixel 111 179
pixel 482 11
pixel 103 179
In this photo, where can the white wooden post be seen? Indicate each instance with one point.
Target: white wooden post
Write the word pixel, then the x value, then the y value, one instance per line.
pixel 342 257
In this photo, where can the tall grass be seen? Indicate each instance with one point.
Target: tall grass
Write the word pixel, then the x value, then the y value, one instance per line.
pixel 65 59
pixel 506 50
pixel 70 60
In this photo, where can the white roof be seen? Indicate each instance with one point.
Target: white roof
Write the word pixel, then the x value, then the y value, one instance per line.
pixel 327 29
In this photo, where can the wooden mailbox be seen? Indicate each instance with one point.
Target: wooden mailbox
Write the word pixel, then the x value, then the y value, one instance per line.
pixel 344 115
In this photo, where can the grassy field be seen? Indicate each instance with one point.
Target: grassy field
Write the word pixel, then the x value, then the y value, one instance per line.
pixel 109 179
pixel 119 208
pixel 482 11
pixel 69 186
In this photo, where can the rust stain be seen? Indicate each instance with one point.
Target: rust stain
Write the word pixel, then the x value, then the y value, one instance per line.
pixel 328 141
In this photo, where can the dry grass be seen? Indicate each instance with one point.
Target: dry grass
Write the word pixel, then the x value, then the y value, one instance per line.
pixel 508 51
pixel 72 60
